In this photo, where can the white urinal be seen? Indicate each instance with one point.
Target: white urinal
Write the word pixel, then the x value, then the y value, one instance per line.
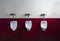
pixel 44 25
pixel 28 25
pixel 13 25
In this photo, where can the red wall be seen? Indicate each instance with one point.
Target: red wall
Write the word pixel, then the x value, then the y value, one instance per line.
pixel 36 34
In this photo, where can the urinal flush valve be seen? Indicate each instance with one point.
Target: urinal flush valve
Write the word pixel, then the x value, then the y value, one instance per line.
pixel 27 14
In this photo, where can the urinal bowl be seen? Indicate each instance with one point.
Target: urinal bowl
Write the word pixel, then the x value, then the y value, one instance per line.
pixel 13 25
pixel 43 25
pixel 28 25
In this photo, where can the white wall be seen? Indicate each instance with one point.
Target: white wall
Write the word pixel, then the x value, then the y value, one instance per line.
pixel 35 7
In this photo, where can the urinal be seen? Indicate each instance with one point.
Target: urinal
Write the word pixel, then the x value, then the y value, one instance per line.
pixel 13 25
pixel 44 25
pixel 28 25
